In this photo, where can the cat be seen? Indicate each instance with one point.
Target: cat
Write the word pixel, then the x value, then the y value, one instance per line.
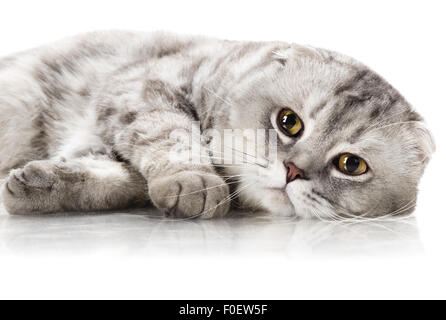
pixel 86 124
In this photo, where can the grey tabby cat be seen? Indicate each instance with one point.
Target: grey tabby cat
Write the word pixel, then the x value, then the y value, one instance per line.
pixel 86 123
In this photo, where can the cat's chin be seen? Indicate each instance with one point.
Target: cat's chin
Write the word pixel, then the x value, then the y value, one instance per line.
pixel 276 202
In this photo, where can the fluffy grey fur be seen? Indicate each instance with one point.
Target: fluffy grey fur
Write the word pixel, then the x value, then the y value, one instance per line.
pixel 85 125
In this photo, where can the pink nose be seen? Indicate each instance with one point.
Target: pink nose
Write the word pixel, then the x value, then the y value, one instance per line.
pixel 293 172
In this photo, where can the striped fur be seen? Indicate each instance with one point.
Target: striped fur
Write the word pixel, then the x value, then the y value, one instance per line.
pixel 85 125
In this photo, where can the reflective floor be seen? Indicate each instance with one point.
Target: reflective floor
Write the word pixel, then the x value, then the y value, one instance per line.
pixel 146 233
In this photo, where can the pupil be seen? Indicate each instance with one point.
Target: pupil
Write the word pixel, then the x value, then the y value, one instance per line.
pixel 289 121
pixel 352 164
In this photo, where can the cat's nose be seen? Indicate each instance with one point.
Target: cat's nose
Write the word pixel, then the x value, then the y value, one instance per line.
pixel 293 172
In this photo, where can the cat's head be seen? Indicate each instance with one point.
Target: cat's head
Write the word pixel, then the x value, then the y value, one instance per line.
pixel 348 144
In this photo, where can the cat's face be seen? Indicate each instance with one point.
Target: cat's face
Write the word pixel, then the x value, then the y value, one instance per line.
pixel 354 145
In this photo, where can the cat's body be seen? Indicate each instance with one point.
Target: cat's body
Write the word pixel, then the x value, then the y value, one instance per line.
pixel 85 124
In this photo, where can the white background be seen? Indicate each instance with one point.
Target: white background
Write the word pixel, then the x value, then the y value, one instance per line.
pixel 402 40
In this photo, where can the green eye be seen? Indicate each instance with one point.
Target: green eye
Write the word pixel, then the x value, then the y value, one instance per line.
pixel 289 123
pixel 350 164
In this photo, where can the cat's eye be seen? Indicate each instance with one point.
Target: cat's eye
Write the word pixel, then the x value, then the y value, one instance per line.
pixel 289 122
pixel 350 164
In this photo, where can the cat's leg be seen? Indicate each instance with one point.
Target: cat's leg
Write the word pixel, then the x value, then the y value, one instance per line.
pixel 139 117
pixel 182 188
pixel 84 184
pixel 179 188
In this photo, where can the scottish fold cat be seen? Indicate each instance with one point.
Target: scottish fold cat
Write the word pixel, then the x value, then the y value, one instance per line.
pixel 89 123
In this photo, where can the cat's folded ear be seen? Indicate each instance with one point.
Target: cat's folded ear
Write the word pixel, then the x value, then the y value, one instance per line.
pixel 296 53
pixel 424 143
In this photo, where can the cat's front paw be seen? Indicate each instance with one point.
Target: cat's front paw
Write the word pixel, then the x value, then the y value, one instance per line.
pixel 26 189
pixel 191 194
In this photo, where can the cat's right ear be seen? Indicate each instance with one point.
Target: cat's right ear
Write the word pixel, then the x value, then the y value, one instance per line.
pixel 425 143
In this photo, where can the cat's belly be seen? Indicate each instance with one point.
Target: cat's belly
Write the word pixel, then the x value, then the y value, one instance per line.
pixel 76 136
pixel 17 131
pixel 27 133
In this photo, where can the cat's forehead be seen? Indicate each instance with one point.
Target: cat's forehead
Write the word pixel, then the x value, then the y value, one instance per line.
pixel 363 98
pixel 343 94
pixel 346 102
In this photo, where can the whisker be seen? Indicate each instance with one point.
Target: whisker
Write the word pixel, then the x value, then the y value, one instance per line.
pixel 382 121
pixel 242 161
pixel 204 189
pixel 392 124
pixel 257 160
pixel 228 198
pixel 217 96
pixel 355 218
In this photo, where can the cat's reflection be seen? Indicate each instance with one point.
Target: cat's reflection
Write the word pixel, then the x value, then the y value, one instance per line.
pixel 138 233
